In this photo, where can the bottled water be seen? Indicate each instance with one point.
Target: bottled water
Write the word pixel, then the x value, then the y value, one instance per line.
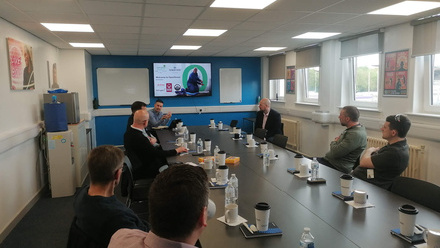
pixel 315 168
pixel 186 135
pixel 229 194
pixel 234 182
pixel 199 146
pixel 306 240
pixel 266 160
pixel 216 150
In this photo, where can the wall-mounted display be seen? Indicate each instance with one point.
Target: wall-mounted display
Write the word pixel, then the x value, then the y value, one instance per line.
pixel 21 68
pixel 396 73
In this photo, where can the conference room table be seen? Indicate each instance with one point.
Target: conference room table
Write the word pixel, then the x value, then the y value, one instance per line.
pixel 295 204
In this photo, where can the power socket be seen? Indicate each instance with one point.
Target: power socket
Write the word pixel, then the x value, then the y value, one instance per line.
pixel 200 111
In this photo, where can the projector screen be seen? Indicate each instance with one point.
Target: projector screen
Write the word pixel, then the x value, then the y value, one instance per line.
pixel 182 79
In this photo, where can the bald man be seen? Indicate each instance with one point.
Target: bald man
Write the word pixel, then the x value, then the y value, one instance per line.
pixel 268 119
pixel 138 143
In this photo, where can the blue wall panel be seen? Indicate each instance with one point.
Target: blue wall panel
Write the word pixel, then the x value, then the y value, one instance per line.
pixel 110 129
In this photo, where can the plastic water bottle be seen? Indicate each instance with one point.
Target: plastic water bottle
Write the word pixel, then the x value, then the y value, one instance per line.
pixel 266 160
pixel 315 168
pixel 216 150
pixel 199 146
pixel 306 240
pixel 229 194
pixel 234 182
pixel 186 135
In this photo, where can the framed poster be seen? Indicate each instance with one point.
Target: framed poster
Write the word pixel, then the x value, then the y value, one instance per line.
pixel 396 73
pixel 21 67
pixel 290 79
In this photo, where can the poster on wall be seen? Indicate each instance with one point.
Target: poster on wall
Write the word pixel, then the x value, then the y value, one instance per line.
pixel 290 79
pixel 21 68
pixel 396 73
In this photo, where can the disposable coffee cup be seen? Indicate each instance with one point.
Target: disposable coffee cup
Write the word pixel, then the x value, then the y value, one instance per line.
pixel 238 130
pixel 207 163
pixel 221 157
pixel 262 214
pixel 212 123
pixel 346 184
pixel 303 170
pixel 222 174
pixel 236 135
pixel 193 137
pixel 234 129
pixel 179 141
pixel 360 197
pixel 220 125
pixel 271 153
pixel 231 213
pixel 249 137
pixel 297 160
pixel 263 146
pixel 407 219
pixel 251 142
pixel 432 238
pixel 208 145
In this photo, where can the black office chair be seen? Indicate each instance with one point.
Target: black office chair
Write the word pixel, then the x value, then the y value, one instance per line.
pixel 419 191
pixel 282 128
pixel 280 140
pixel 79 239
pixel 260 133
pixel 233 123
pixel 135 190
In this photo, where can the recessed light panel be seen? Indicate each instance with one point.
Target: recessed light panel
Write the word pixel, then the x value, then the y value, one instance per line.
pixel 204 32
pixel 315 35
pixel 269 49
pixel 64 27
pixel 179 47
pixel 406 8
pixel 88 45
pixel 242 4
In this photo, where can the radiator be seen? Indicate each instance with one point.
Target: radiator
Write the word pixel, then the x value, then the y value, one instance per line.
pixel 416 158
pixel 291 130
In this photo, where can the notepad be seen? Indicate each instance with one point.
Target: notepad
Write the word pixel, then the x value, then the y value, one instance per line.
pixel 273 230
pixel 415 239
pixel 338 194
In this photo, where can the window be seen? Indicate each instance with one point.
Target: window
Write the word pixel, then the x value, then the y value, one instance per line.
pixel 363 80
pixel 308 81
pixel 276 89
pixel 434 87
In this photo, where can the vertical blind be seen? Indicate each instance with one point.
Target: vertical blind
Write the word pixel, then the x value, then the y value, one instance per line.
pixel 426 39
pixel 362 44
pixel 308 57
pixel 277 66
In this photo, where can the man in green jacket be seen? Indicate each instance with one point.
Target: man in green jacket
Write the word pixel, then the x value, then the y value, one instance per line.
pixel 347 147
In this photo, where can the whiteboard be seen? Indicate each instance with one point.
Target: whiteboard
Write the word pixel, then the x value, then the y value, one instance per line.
pixel 123 86
pixel 230 85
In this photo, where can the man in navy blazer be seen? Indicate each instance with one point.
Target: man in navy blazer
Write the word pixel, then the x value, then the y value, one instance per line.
pixel 268 119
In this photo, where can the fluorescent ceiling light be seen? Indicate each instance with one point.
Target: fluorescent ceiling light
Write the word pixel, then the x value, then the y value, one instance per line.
pixel 89 45
pixel 63 27
pixel 242 4
pixel 270 49
pixel 178 47
pixel 204 32
pixel 315 35
pixel 406 8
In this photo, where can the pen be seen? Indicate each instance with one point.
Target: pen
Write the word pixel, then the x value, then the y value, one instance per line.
pixel 247 227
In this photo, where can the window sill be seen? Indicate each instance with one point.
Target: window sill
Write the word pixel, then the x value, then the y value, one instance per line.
pixel 375 110
pixel 434 116
pixel 279 100
pixel 308 103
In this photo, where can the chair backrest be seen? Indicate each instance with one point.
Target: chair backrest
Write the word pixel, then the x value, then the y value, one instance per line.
pixel 419 191
pixel 233 123
pixel 79 239
pixel 280 140
pixel 260 133
pixel 282 128
pixel 127 181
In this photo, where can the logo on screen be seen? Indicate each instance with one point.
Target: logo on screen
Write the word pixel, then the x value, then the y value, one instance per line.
pixel 169 87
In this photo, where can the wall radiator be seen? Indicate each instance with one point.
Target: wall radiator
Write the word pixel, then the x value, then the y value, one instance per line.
pixel 416 158
pixel 291 130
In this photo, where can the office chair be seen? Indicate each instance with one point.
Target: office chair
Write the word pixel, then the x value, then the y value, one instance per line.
pixel 233 123
pixel 79 239
pixel 136 190
pixel 280 140
pixel 260 133
pixel 419 191
pixel 282 128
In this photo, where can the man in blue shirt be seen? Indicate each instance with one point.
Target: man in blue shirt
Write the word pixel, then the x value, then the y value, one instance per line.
pixel 157 118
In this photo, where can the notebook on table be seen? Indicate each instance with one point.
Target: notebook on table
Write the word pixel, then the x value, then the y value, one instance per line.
pixel 273 230
pixel 415 239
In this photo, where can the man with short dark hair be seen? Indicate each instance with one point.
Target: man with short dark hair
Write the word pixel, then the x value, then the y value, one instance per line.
pixel 269 119
pixel 157 118
pixel 135 106
pixel 98 212
pixel 347 147
pixel 178 211
pixel 381 166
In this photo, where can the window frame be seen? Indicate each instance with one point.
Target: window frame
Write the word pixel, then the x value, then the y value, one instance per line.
pixel 280 88
pixel 428 84
pixel 302 81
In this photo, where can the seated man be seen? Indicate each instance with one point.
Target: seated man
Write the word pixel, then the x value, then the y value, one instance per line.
pixel 98 213
pixel 381 166
pixel 347 147
pixel 178 211
pixel 157 118
pixel 138 143
pixel 135 107
pixel 268 119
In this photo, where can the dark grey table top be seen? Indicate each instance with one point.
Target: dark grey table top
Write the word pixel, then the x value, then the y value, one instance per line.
pixel 296 204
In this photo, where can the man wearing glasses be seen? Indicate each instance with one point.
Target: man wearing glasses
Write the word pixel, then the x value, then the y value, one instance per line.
pixel 381 166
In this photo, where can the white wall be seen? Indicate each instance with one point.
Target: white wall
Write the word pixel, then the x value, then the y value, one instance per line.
pixel 21 165
pixel 315 138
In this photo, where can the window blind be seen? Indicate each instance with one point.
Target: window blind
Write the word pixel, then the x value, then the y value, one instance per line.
pixel 426 39
pixel 308 57
pixel 277 66
pixel 362 44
